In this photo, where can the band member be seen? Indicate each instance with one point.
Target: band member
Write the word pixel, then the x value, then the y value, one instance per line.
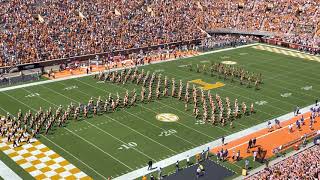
pixel 256 84
pixel 113 105
pixel 173 88
pixel 134 98
pixel 94 110
pixel 85 111
pixel 143 92
pixel 149 96
pixel 251 108
pixel 244 108
pixel 213 119
pixel 180 90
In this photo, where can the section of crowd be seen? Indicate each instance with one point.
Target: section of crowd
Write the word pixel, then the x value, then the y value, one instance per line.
pixel 35 30
pixel 304 165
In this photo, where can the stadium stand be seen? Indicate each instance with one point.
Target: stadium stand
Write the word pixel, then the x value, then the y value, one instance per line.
pixel 35 31
pixel 304 165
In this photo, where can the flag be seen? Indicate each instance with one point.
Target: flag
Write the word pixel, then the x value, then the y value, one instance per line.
pixel 116 12
pixel 40 18
pixel 199 5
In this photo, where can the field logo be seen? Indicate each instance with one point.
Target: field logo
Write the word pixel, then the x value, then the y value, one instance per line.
pixel 167 117
pixel 243 54
pixel 261 103
pixel 229 62
pixel 205 61
pixel 307 88
pixel 207 86
pixel 285 95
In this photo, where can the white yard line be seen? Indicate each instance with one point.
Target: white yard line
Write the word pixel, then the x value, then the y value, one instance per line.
pixel 192 152
pixel 99 149
pixel 119 140
pixel 116 69
pixel 6 173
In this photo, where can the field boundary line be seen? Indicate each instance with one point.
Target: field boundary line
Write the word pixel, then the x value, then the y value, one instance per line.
pixel 117 69
pixel 6 173
pixel 182 156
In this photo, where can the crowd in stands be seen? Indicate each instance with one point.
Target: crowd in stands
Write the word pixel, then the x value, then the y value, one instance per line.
pixel 296 21
pixel 304 165
pixel 37 30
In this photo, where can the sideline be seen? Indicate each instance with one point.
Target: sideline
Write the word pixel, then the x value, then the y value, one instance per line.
pixel 7 174
pixel 192 152
pixel 117 69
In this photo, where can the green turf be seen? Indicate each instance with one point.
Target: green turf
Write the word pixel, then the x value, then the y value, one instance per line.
pixel 92 145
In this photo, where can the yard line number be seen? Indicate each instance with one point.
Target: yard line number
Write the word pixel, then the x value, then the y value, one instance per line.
pixel 199 122
pixel 285 95
pixel 261 103
pixel 70 88
pixel 32 95
pixel 128 146
pixel 168 132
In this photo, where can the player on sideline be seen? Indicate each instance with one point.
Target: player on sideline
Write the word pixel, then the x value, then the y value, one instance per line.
pixel 269 125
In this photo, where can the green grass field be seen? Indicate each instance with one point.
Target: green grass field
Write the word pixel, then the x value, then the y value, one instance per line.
pixel 117 143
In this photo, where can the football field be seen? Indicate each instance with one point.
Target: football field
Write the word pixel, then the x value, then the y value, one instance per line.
pixel 113 144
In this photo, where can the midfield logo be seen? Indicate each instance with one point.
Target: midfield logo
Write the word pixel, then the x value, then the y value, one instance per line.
pixel 207 86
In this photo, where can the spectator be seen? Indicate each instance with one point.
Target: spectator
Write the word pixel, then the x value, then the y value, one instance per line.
pixel 304 165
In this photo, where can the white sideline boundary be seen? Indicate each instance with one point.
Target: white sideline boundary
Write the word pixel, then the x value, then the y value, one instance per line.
pixel 116 69
pixel 192 152
pixel 6 173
